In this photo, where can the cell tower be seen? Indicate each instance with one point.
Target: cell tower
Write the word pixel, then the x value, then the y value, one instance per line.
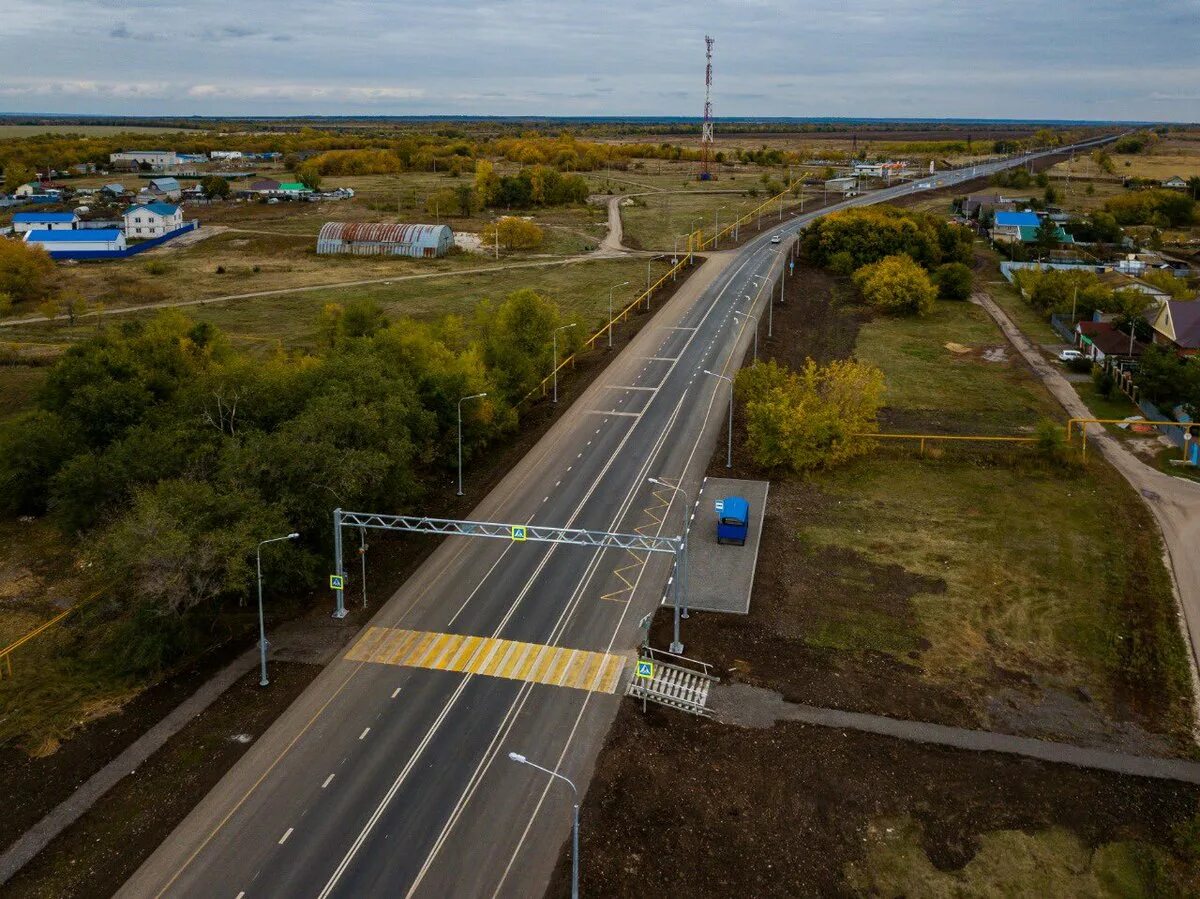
pixel 706 133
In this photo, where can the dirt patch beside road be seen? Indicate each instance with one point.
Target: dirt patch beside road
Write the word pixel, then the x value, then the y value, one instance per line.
pixel 680 806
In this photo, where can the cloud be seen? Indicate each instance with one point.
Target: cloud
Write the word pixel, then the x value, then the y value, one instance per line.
pixel 985 58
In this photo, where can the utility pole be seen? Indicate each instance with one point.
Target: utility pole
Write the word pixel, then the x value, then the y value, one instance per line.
pixel 681 566
pixel 729 444
pixel 755 317
pixel 554 337
pixel 521 760
pixel 462 400
pixel 262 628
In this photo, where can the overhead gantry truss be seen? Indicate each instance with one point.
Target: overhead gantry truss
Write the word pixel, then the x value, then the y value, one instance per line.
pixel 513 532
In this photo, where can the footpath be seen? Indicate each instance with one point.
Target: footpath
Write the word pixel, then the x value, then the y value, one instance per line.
pixel 294 642
pixel 744 705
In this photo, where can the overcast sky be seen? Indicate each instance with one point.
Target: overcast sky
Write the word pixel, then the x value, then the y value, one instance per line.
pixel 1076 59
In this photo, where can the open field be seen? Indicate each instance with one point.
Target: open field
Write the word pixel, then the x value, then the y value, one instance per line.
pixel 580 289
pixel 7 130
pixel 654 221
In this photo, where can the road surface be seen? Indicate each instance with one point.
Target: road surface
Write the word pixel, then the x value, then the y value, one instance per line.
pixel 393 779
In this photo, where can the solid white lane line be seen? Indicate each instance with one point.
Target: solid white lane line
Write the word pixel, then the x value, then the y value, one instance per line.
pixel 366 731
pixel 395 693
pixel 328 780
pixel 283 839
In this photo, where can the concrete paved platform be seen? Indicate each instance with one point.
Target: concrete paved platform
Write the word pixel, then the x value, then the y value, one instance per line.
pixel 721 576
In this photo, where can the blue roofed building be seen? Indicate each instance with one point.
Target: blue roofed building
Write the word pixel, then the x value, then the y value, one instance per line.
pixel 146 220
pixel 165 188
pixel 24 222
pixel 1007 226
pixel 104 240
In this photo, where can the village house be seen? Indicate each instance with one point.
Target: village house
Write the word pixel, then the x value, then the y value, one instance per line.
pixel 152 220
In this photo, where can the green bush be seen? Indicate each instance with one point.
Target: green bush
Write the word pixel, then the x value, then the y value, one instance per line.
pixel 1103 381
pixel 954 281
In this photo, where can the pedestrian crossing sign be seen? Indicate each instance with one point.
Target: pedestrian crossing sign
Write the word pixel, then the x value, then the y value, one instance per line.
pixel 645 668
pixel 518 532
pixel 336 582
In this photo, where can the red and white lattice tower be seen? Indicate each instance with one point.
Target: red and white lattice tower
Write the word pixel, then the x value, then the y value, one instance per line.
pixel 706 132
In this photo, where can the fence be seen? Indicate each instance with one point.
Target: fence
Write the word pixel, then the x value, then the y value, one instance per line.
pixel 1153 413
pixel 590 343
pixel 133 250
pixel 6 654
pixel 948 438
pixel 700 243
pixel 1064 326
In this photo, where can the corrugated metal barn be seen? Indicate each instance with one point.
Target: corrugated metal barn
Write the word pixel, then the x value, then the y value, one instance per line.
pixel 363 239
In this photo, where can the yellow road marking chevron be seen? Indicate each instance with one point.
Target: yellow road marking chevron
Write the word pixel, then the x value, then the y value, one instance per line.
pixel 537 663
pixel 627 574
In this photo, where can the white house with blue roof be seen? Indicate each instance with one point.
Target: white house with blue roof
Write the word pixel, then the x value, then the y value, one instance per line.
pixel 143 221
pixel 24 222
pixel 85 240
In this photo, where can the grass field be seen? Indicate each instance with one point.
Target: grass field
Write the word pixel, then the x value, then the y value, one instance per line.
pixel 654 222
pixel 1049 862
pixel 86 130
pixel 580 289
pixel 931 384
pixel 18 384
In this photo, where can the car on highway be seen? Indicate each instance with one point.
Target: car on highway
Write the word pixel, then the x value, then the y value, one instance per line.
pixel 776 239
pixel 1069 355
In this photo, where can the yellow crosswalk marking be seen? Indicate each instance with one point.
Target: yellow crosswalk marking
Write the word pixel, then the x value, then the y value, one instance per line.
pixel 537 663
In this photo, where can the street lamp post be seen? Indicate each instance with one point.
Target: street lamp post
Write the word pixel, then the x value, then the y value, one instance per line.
pixel 555 339
pixel 680 575
pixel 755 317
pixel 473 396
pixel 716 225
pixel 729 445
pixel 521 760
pixel 610 311
pixel 262 628
pixel 701 236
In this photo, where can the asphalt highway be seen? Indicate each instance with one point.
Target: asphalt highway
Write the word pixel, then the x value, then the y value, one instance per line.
pixel 389 780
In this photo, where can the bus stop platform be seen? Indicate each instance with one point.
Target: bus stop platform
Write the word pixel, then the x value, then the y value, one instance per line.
pixel 720 576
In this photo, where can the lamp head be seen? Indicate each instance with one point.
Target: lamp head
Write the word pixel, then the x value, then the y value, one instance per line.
pixel 293 535
pixel 517 757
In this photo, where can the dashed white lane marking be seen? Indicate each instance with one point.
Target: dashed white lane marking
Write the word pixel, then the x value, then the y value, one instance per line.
pixel 240 895
pixel 545 498
pixel 579 455
pixel 283 839
pixel 569 467
pixel 395 693
pixel 366 730
pixel 328 780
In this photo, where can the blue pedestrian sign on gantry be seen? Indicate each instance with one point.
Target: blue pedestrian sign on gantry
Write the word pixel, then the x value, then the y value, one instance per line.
pixel 336 582
pixel 518 532
pixel 645 668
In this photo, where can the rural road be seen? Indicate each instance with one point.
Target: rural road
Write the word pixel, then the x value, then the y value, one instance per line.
pixel 389 775
pixel 1175 502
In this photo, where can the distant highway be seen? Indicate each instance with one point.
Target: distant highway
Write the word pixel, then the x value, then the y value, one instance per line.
pixel 389 775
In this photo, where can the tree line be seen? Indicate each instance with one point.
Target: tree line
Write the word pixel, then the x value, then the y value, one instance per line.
pixel 170 454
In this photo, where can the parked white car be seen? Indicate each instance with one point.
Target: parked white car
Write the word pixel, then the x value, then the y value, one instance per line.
pixel 1070 355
